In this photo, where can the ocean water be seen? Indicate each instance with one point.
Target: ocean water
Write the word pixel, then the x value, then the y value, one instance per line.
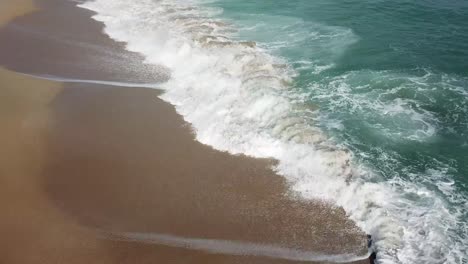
pixel 364 103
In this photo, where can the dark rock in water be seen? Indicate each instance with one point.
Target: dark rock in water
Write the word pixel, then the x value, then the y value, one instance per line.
pixel 372 258
pixel 369 241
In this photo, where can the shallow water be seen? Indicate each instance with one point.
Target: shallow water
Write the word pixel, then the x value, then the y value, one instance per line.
pixel 364 103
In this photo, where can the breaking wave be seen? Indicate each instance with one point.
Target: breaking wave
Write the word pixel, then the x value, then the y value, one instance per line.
pixel 238 97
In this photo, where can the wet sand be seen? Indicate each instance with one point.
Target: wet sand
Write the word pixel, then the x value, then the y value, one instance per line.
pixel 11 9
pixel 87 169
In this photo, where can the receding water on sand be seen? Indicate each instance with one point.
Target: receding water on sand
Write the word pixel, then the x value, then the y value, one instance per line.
pixel 112 83
pixel 217 246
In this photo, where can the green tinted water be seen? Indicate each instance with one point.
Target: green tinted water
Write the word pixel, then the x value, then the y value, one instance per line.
pixel 390 80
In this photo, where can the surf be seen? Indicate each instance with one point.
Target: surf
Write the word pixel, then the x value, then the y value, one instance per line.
pixel 238 97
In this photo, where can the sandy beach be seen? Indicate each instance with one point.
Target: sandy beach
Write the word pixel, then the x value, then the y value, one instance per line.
pixel 94 173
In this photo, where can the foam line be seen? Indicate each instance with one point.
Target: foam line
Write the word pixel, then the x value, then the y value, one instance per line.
pixel 112 83
pixel 235 248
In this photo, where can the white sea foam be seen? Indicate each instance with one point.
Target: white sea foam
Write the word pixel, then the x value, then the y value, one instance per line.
pixel 354 92
pixel 237 248
pixel 235 94
pixel 112 83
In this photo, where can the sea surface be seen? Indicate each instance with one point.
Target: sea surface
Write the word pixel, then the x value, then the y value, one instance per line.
pixel 364 103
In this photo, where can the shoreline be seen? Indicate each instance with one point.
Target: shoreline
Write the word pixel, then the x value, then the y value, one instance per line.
pixel 120 159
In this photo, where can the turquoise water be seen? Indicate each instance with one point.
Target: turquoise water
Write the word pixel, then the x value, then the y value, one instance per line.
pixel 390 79
pixel 363 103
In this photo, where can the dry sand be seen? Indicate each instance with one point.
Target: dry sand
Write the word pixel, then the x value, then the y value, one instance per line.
pixel 84 163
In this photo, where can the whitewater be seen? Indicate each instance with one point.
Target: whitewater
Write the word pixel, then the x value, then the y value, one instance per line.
pixel 238 96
